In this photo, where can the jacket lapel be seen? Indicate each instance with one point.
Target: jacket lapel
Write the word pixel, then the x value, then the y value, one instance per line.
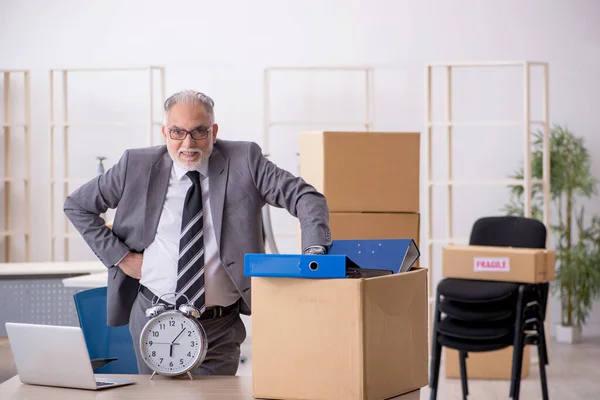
pixel 158 183
pixel 218 168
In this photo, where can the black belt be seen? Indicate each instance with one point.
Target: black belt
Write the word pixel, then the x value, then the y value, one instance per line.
pixel 209 312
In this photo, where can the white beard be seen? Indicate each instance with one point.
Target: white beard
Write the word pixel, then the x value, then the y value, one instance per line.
pixel 193 165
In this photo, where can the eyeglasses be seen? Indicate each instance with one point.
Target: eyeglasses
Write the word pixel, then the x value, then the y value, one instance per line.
pixel 196 134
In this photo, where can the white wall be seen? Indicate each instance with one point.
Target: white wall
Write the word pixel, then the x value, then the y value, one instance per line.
pixel 223 47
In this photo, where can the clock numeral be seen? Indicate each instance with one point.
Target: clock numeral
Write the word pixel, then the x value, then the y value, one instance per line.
pixel 171 364
pixel 182 325
pixel 154 354
pixel 189 333
pixel 161 360
pixel 150 343
pixel 155 334
pixel 162 326
pixel 193 343
pixel 189 354
pixel 181 361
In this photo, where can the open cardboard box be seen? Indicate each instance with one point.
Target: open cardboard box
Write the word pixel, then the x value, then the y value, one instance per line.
pixel 339 338
pixel 491 263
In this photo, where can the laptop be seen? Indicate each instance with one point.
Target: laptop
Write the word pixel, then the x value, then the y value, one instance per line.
pixel 50 355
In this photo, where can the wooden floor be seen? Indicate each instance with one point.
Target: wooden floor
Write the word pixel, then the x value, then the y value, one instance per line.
pixel 573 373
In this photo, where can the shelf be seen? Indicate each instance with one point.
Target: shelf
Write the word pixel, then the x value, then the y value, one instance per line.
pixel 102 124
pixel 66 236
pixel 489 64
pixel 70 180
pixel 315 68
pixel 62 118
pixel 126 69
pixel 7 179
pixel 16 125
pixel 500 182
pixel 12 128
pixel 13 233
pixel 303 123
pixel 481 123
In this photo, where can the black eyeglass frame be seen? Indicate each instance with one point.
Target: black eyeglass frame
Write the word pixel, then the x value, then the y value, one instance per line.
pixel 199 133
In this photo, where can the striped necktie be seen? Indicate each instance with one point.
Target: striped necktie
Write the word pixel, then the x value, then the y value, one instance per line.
pixel 190 276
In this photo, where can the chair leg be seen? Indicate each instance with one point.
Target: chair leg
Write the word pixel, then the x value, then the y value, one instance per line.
pixel 517 360
pixel 543 358
pixel 436 353
pixel 519 370
pixel 542 363
pixel 463 374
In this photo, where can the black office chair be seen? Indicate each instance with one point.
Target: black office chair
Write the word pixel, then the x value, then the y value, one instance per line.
pixel 482 316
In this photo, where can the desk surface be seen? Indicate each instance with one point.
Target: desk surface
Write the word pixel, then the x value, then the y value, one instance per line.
pixel 87 281
pixel 206 388
pixel 51 268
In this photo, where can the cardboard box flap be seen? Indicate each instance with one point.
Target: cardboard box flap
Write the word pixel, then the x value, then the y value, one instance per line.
pixel 396 255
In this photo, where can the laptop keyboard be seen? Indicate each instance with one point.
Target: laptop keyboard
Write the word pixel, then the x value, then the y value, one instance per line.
pixel 100 383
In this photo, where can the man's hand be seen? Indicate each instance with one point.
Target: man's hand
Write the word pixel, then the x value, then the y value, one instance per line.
pixel 131 264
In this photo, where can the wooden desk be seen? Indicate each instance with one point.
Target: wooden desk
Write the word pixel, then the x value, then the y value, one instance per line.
pixel 205 388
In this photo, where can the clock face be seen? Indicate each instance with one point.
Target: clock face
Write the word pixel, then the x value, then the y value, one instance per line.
pixel 172 344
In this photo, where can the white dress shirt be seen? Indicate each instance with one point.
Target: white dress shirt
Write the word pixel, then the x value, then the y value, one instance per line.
pixel 159 267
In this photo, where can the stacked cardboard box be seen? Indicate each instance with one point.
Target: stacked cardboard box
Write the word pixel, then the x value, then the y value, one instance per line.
pixel 370 180
pixel 349 338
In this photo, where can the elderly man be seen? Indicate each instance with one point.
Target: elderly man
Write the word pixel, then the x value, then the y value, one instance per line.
pixel 187 212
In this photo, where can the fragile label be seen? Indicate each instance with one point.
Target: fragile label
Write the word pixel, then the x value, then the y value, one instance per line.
pixel 489 264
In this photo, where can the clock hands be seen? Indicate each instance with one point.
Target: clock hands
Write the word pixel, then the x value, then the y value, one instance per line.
pixel 173 342
pixel 183 330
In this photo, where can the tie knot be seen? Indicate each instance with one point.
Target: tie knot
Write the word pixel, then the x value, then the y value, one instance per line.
pixel 194 176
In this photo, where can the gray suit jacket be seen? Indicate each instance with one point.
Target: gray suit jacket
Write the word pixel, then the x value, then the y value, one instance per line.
pixel 241 182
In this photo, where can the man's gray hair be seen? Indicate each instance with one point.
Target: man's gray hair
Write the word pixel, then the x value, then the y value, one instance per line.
pixel 190 97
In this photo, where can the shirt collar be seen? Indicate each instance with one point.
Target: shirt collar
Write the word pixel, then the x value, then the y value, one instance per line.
pixel 180 172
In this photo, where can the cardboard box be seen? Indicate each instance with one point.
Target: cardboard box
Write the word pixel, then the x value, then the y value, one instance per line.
pixel 339 338
pixel 486 365
pixel 509 264
pixel 374 226
pixel 363 171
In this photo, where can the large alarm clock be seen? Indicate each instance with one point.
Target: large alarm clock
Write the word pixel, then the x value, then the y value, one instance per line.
pixel 173 342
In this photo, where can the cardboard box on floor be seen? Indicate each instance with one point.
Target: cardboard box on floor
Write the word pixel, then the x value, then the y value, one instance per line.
pixel 509 264
pixel 363 171
pixel 339 338
pixel 486 365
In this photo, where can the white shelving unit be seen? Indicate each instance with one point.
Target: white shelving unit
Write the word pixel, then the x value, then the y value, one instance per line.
pixel 9 128
pixel 450 182
pixel 269 123
pixel 60 125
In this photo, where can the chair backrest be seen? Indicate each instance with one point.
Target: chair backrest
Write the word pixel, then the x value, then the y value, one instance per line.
pixel 104 341
pixel 508 231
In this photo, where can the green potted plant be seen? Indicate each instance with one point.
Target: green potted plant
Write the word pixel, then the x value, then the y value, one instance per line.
pixel 576 236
